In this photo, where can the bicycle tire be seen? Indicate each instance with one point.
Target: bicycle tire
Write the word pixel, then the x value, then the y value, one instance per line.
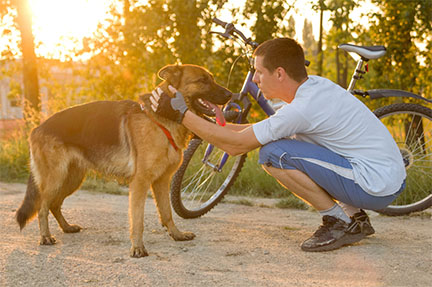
pixel 415 142
pixel 197 193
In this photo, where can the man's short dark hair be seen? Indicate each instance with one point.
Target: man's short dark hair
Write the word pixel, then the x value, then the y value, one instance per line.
pixel 285 53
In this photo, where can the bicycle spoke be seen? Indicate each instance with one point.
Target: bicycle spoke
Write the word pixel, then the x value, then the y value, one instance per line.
pixel 410 125
pixel 199 183
pixel 196 178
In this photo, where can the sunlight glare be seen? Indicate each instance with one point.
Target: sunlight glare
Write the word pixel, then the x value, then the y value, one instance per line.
pixel 59 24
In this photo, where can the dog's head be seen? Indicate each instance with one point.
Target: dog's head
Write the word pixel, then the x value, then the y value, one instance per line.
pixel 199 89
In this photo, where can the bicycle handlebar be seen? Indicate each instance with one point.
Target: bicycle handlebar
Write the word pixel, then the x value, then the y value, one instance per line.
pixel 220 22
pixel 230 30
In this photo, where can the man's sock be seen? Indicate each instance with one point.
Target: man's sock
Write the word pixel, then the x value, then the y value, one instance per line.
pixel 349 210
pixel 336 211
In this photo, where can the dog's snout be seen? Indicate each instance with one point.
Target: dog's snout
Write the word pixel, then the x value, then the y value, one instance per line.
pixel 226 94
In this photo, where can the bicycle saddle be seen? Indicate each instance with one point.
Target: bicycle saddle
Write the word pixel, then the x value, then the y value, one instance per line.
pixel 366 52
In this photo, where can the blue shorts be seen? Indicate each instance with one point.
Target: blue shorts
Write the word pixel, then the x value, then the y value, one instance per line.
pixel 325 168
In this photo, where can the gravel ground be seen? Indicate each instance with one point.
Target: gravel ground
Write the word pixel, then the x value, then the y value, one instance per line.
pixel 236 245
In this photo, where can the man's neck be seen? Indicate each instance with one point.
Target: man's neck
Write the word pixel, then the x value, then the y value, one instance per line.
pixel 292 90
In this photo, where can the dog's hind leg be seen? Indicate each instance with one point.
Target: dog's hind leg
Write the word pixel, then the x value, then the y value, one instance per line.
pixel 138 189
pixel 73 181
pixel 161 194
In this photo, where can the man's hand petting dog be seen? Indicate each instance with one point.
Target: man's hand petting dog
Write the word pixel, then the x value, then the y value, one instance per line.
pixel 171 108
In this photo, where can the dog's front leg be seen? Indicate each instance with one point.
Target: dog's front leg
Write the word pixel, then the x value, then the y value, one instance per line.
pixel 46 237
pixel 137 197
pixel 161 194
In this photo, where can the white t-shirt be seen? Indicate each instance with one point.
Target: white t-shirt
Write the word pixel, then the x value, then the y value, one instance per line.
pixel 325 114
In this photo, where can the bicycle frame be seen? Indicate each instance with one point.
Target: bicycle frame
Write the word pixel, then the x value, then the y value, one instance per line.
pixel 377 93
pixel 248 88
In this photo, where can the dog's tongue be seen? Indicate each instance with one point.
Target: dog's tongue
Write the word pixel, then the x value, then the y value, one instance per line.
pixel 220 119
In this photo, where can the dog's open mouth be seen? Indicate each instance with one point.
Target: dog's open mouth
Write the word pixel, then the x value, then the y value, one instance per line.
pixel 210 110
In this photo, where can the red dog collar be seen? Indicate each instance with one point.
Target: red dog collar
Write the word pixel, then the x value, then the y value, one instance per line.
pixel 166 132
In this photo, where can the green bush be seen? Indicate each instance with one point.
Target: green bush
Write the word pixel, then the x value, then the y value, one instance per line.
pixel 291 202
pixel 14 157
pixel 254 181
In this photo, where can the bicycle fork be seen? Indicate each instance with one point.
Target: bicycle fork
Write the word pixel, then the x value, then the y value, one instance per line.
pixel 218 167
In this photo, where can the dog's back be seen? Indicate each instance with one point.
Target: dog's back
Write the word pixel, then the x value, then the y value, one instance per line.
pixel 89 126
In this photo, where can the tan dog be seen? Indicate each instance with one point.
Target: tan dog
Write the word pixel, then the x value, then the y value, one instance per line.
pixel 117 138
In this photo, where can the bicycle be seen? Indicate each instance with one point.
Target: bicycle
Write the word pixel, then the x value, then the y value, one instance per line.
pixel 207 172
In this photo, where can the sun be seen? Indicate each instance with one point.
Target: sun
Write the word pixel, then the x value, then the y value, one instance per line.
pixel 59 25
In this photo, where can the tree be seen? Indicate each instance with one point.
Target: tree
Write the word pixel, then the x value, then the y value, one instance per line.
pixel 320 7
pixel 289 30
pixel 269 17
pixel 399 26
pixel 29 63
pixel 141 39
pixel 309 42
pixel 340 32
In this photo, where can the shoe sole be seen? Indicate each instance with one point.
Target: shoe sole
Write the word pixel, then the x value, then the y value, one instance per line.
pixel 346 240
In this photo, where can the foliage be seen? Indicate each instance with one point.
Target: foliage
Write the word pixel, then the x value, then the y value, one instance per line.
pixel 14 158
pixel 400 25
pixel 269 17
pixel 142 36
pixel 263 184
pixel 341 32
pixel 291 202
pixel 133 46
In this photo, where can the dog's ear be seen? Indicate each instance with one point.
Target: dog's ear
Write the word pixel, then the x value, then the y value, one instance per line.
pixel 172 74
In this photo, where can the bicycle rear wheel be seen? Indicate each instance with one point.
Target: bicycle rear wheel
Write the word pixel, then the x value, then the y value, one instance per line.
pixel 411 127
pixel 197 187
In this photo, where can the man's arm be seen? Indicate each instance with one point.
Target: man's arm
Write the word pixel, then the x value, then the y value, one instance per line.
pixel 234 139
pixel 237 127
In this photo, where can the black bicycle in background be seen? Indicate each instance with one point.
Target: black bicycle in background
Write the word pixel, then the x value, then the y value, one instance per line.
pixel 207 172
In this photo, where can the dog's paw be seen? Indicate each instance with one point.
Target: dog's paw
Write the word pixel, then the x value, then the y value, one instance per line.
pixel 183 236
pixel 47 240
pixel 72 229
pixel 138 252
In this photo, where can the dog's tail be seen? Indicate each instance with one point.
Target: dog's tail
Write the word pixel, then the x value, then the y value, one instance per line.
pixel 30 204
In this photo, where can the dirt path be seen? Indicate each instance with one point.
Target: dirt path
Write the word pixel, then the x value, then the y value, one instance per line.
pixel 235 246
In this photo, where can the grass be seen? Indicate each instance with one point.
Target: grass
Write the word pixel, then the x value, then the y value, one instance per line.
pixel 14 165
pixel 14 157
pixel 291 202
pixel 242 202
pixel 97 183
pixel 253 181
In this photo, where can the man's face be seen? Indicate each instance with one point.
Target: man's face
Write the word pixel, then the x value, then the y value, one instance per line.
pixel 267 81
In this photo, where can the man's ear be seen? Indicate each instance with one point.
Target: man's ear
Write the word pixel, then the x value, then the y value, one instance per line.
pixel 172 74
pixel 281 73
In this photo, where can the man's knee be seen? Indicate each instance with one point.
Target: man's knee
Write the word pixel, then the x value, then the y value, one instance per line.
pixel 266 153
pixel 266 168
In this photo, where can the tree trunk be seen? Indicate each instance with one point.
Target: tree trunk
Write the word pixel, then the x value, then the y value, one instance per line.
pixel 345 72
pixel 320 42
pixel 32 103
pixel 338 68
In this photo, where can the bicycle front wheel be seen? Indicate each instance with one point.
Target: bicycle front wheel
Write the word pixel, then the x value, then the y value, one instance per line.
pixel 411 127
pixel 198 186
